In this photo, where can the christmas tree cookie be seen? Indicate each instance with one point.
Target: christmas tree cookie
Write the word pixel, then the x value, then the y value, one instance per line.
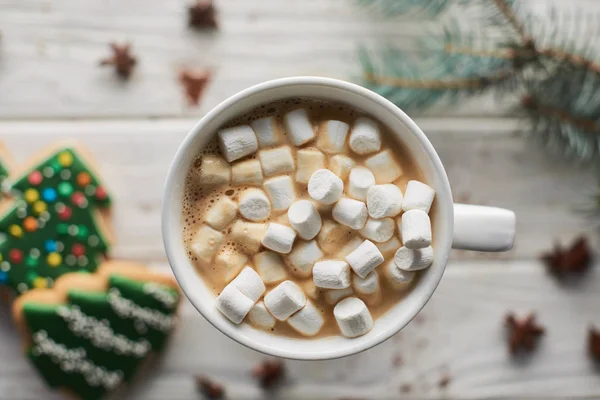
pixel 55 222
pixel 90 333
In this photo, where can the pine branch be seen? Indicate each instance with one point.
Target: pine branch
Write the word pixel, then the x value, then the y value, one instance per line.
pixel 560 115
pixel 506 9
pixel 394 8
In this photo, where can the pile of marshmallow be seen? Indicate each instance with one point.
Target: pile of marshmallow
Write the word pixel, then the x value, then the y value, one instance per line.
pixel 298 238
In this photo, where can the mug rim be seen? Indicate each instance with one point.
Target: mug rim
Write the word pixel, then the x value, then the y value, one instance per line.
pixel 444 198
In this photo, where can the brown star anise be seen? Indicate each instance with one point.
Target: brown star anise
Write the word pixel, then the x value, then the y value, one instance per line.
pixel 268 372
pixel 121 59
pixel 522 332
pixel 594 343
pixel 202 15
pixel 194 82
pixel 576 258
pixel 210 388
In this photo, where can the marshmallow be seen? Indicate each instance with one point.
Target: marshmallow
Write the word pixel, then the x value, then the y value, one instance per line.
pixel 333 296
pixel 284 300
pixel 248 172
pixel 350 212
pixel 353 317
pixel 277 161
pixel 332 136
pixel 267 131
pixel 341 165
pixel 325 187
pixel 281 191
pixel 418 196
pixel 359 182
pixel 378 230
pixel 365 258
pixel 259 317
pixel 237 142
pixel 308 321
pixel 254 205
pixel 303 256
pixel 249 283
pixel 388 248
pixel 214 171
pixel 309 288
pixel 331 274
pixel 367 285
pixel 413 259
pixel 298 127
pixel 365 137
pixel 229 263
pixel 221 213
pixel 270 266
pixel 332 236
pixel 248 235
pixel 279 238
pixel 350 246
pixel 305 219
pixel 206 243
pixel 416 229
pixel 399 279
pixel 384 200
pixel 233 304
pixel 309 161
pixel 384 166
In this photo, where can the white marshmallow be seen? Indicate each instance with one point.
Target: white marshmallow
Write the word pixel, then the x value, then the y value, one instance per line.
pixel 248 235
pixel 254 205
pixel 248 172
pixel 270 266
pixel 305 219
pixel 353 317
pixel 308 321
pixel 279 238
pixel 281 191
pixel 365 137
pixel 309 161
pixel 398 279
pixel 384 166
pixel 222 212
pixel 303 256
pixel 233 304
pixel 367 285
pixel 416 229
pixel 359 182
pixel 267 131
pixel 229 263
pixel 284 300
pixel 206 243
pixel 413 259
pixel 350 212
pixel 333 296
pixel 332 136
pixel 350 246
pixel 249 283
pixel 325 187
pixel 237 142
pixel 418 196
pixel 309 288
pixel 298 127
pixel 331 274
pixel 277 161
pixel 384 200
pixel 259 317
pixel 332 236
pixel 214 171
pixel 389 248
pixel 365 258
pixel 341 165
pixel 379 230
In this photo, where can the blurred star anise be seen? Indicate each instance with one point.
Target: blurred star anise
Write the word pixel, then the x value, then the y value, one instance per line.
pixel 575 258
pixel 202 15
pixel 268 372
pixel 594 343
pixel 210 388
pixel 194 82
pixel 121 59
pixel 523 333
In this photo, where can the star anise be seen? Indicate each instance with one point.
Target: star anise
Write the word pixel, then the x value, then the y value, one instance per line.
pixel 121 59
pixel 202 15
pixel 210 388
pixel 268 373
pixel 576 258
pixel 523 333
pixel 594 343
pixel 194 82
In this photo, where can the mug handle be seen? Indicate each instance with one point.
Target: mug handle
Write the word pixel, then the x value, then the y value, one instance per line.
pixel 482 228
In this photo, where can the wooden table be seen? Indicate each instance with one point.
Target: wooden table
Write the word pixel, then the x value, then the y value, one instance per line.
pixel 51 88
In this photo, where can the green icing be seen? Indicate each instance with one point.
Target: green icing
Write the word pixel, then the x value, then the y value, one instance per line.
pixel 99 339
pixel 66 237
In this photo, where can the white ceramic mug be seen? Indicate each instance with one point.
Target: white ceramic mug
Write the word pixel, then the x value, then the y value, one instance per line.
pixel 455 226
